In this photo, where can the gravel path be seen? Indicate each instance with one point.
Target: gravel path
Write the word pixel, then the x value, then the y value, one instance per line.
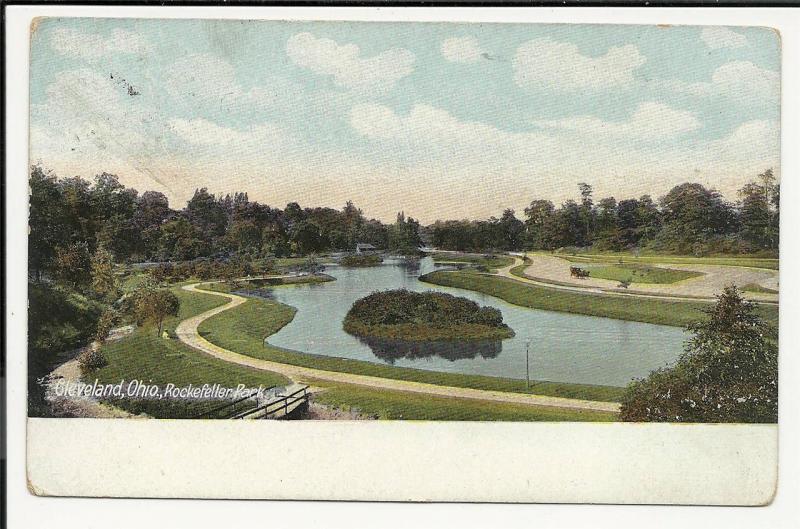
pixel 187 333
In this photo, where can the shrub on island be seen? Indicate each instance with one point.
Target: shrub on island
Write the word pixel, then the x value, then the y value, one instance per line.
pixel 358 260
pixel 424 316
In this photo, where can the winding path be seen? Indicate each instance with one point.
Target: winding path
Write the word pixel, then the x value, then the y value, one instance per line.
pixel 606 288
pixel 187 333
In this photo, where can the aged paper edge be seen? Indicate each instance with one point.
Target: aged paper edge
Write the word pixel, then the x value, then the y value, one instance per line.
pixel 405 461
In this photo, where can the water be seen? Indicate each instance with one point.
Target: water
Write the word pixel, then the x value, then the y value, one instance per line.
pixel 563 347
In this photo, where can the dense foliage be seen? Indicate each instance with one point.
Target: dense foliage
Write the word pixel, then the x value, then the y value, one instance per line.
pixel 423 316
pixel 728 372
pixel 690 219
pixel 58 320
pixel 71 219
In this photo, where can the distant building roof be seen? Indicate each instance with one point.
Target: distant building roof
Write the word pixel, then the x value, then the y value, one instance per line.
pixel 364 246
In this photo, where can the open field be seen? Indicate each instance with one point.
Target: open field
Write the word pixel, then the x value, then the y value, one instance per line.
pixel 384 404
pixel 643 309
pixel 752 287
pixel 709 279
pixel 753 262
pixel 638 273
pixel 496 261
pixel 242 329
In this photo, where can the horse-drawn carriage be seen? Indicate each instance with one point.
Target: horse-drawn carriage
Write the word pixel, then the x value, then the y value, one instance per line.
pixel 578 272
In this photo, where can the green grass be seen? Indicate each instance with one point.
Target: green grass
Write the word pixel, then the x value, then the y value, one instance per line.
pixel 638 273
pixel 753 262
pixel 255 284
pixel 753 287
pixel 675 313
pixel 243 328
pixel 153 360
pixel 384 404
pixel 496 261
pixel 360 260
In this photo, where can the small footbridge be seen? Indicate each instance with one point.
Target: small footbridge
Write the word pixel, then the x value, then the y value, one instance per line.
pixel 281 403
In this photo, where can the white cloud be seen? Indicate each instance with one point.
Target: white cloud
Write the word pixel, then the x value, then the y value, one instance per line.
pixel 346 66
pixel 545 62
pixel 428 130
pixel 438 150
pixel 207 134
pixel 651 121
pixel 92 47
pixel 737 80
pixel 461 49
pixel 717 37
pixel 752 140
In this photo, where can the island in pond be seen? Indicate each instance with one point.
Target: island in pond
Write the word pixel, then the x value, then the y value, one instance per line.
pixel 424 316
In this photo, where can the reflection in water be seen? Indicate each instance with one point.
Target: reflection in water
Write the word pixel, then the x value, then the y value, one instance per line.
pixel 410 265
pixel 389 350
pixel 564 347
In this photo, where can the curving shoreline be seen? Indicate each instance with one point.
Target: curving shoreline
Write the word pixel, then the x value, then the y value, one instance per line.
pixel 187 332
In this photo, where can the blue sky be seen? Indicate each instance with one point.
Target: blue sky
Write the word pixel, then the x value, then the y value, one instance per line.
pixel 440 120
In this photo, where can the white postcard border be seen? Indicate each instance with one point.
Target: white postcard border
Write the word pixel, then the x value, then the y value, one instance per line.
pixel 135 451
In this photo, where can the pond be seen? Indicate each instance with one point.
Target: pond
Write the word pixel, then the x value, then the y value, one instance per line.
pixel 563 347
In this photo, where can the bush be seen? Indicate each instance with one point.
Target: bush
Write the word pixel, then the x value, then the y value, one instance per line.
pixel 357 260
pixel 90 359
pixel 421 312
pixel 104 325
pixel 728 372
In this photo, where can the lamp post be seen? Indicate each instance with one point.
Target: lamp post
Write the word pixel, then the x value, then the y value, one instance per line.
pixel 527 364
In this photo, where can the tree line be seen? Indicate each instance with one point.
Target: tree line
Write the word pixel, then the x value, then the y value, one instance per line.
pixel 689 220
pixel 74 222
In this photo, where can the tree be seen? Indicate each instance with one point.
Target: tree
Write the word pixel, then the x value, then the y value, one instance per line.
pixel 244 236
pixel 404 236
pixel 606 232
pixel 758 208
pixel 181 240
pixel 694 215
pixel 539 213
pixel 511 230
pixel 153 305
pixel 207 215
pixel 152 210
pixel 104 281
pixel 727 373
pixel 307 238
pixel 47 221
pixel 104 325
pixel 72 264
pixel 586 214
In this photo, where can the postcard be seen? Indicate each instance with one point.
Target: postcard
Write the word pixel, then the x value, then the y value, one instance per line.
pixel 404 229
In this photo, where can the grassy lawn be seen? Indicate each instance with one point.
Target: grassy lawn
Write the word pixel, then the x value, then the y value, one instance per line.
pixel 752 287
pixel 638 273
pixel 409 406
pixel 255 284
pixel 497 261
pixel 242 329
pixel 153 360
pixel 675 313
pixel 754 262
